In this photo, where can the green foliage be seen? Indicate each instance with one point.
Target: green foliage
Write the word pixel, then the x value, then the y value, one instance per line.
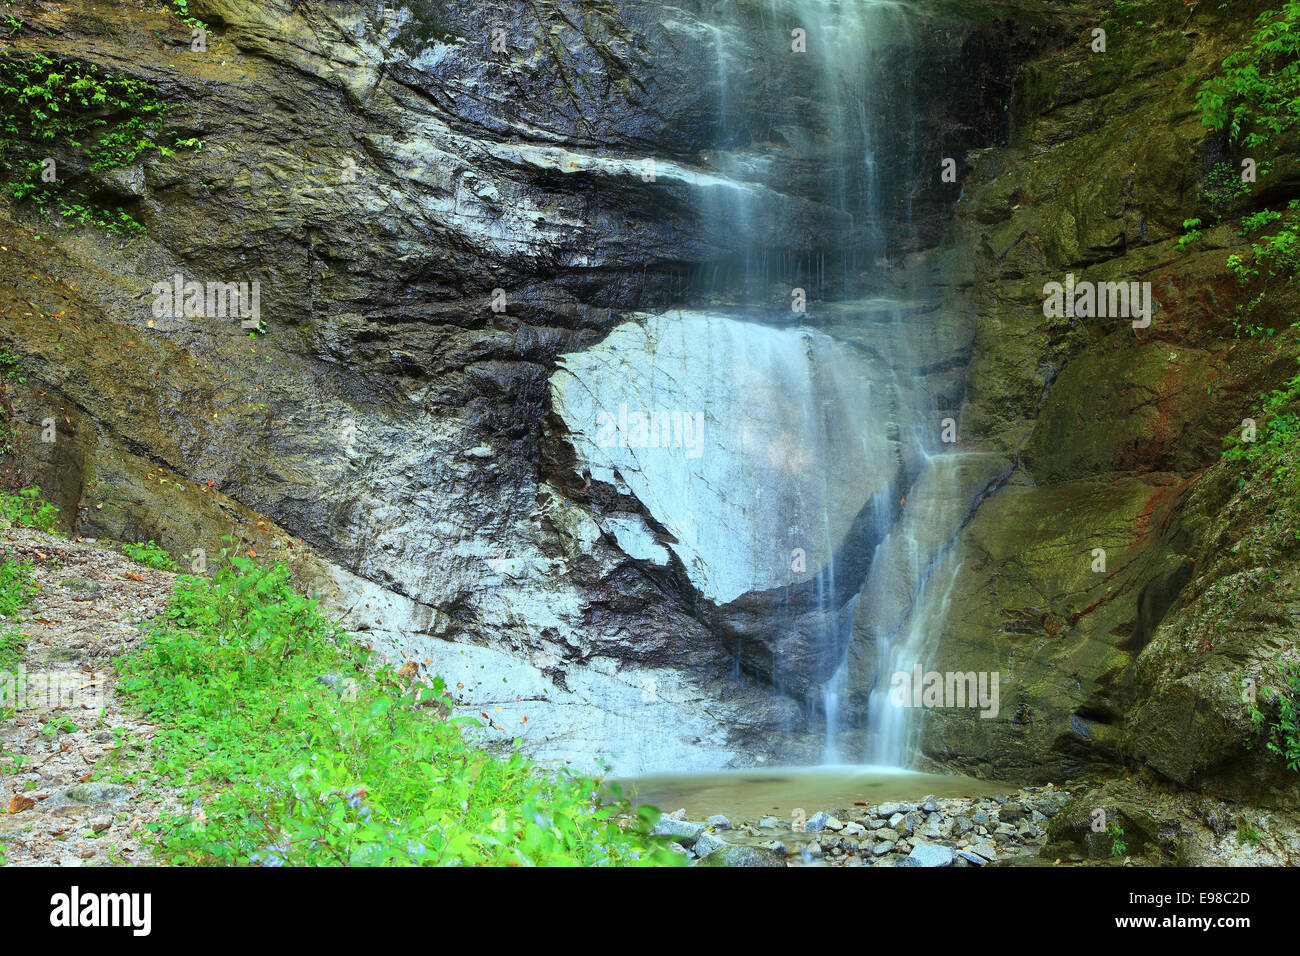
pixel 1223 186
pixel 1272 453
pixel 1279 253
pixel 150 555
pixel 1279 726
pixel 306 756
pixel 1248 833
pixel 1259 220
pixel 1237 266
pixel 1275 256
pixel 1256 96
pixel 10 367
pixel 182 9
pixel 48 106
pixel 1191 233
pixel 17 586
pixel 27 510
pixel 12 644
pixel 1117 847
pixel 1127 13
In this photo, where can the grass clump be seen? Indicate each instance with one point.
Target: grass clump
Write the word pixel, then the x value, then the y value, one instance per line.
pixel 298 753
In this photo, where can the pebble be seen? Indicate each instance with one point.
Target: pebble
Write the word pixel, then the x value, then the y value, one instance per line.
pixel 930 854
pixel 817 822
pixel 706 843
pixel 911 835
pixel 685 832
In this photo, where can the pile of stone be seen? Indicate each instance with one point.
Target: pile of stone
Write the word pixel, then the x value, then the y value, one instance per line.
pixel 712 843
pixel 931 832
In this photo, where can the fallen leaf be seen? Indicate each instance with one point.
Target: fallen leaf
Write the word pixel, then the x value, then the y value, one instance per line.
pixel 19 803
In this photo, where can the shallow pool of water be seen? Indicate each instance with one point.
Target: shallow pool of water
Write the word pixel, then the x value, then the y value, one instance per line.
pixel 779 791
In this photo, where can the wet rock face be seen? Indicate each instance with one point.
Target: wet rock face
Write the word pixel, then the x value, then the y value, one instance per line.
pixel 381 173
pixel 714 424
pixel 1115 435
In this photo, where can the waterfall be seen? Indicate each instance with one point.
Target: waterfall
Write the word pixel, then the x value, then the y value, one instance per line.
pixel 815 509
pixel 851 50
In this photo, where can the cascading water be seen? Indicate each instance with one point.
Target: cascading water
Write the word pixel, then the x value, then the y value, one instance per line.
pixel 814 508
pixel 854 52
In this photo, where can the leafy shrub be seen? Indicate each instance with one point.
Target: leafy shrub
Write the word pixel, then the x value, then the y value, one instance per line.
pixel 1259 220
pixel 307 757
pixel 150 555
pixel 1277 255
pixel 1117 846
pixel 1273 451
pixel 27 510
pixel 1256 97
pixel 182 9
pixel 17 586
pixel 1280 253
pixel 1280 725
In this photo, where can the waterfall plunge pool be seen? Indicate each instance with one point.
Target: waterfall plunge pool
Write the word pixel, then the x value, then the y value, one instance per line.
pixel 748 795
